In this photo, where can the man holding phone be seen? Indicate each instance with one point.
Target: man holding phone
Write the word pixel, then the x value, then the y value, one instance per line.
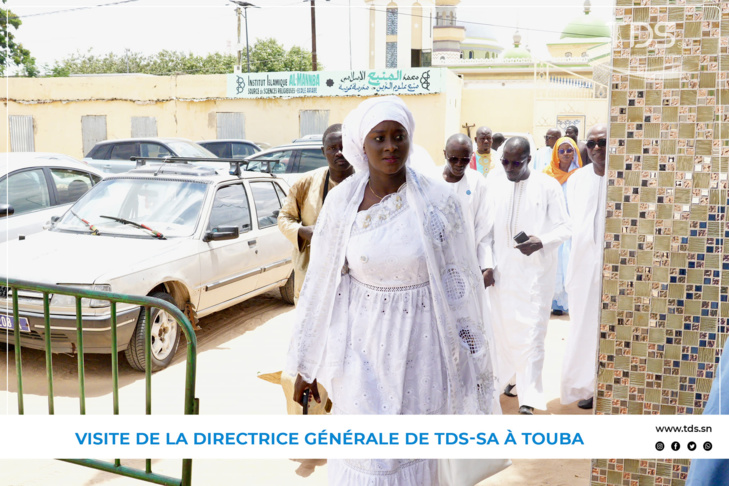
pixel 528 221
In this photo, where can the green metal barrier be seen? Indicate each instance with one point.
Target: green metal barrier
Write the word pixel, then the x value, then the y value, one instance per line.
pixel 191 406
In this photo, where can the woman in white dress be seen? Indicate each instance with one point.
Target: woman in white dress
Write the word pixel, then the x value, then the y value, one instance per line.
pixel 565 161
pixel 390 318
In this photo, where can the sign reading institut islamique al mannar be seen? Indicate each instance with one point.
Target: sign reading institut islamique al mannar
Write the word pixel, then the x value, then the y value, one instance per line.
pixel 411 81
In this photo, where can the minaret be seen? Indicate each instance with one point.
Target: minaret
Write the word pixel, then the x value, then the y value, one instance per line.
pixel 400 33
pixel 447 35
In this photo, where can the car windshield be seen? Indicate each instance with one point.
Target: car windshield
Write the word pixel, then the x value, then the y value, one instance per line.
pixel 189 149
pixel 168 207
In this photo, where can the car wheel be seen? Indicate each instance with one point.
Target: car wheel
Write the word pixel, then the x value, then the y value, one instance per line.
pixel 287 290
pixel 165 337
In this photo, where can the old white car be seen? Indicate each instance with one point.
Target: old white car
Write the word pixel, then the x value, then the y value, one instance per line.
pixel 202 239
pixel 34 186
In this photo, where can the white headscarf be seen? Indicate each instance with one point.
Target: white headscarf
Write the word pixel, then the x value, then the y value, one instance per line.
pixel 367 116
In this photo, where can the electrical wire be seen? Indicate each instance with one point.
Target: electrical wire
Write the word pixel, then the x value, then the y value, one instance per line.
pixel 120 2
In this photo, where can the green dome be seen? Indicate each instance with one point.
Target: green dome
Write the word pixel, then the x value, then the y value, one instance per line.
pixel 586 27
pixel 517 53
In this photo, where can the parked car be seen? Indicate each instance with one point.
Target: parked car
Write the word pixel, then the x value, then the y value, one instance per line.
pixel 314 137
pixel 230 149
pixel 114 155
pixel 288 161
pixel 37 185
pixel 201 239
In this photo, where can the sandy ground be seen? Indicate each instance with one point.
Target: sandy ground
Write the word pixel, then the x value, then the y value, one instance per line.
pixel 234 347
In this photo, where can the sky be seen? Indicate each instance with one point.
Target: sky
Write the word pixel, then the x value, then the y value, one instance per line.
pixel 53 29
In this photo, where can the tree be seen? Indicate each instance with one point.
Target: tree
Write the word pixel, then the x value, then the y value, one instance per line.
pixel 13 53
pixel 266 56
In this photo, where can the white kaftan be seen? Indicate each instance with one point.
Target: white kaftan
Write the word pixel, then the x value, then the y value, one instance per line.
pixel 521 297
pixel 471 191
pixel 541 159
pixel 560 299
pixel 393 362
pixel 586 194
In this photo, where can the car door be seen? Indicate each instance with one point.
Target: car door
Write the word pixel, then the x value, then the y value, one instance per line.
pixel 240 150
pixel 220 149
pixel 274 249
pixel 119 157
pixel 151 149
pixel 310 159
pixel 229 268
pixel 28 193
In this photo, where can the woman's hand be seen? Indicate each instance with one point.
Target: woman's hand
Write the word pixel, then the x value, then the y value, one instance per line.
pixel 300 386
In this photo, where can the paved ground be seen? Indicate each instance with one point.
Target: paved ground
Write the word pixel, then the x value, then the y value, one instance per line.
pixel 235 346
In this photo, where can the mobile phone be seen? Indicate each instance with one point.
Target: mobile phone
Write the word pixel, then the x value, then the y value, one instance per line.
pixel 305 399
pixel 521 237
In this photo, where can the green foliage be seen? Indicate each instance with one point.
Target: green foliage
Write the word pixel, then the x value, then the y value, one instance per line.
pixel 266 56
pixel 13 53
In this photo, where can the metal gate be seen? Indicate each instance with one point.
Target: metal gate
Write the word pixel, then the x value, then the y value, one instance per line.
pixel 191 405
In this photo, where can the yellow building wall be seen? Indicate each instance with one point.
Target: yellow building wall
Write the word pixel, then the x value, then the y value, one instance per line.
pixel 186 106
pixel 501 109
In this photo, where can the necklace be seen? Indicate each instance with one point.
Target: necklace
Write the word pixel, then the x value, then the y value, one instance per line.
pixel 369 184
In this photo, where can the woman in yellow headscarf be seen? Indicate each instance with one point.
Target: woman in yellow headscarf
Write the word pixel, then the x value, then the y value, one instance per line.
pixel 565 161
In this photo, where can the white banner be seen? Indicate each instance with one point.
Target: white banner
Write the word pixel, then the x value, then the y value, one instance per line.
pixel 439 436
pixel 409 81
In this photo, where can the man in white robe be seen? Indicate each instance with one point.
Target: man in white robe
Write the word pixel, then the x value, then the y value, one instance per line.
pixel 543 156
pixel 586 195
pixel 521 298
pixel 470 188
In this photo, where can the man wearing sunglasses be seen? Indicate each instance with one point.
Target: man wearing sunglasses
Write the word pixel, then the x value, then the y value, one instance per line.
pixel 543 157
pixel 586 194
pixel 470 188
pixel 529 222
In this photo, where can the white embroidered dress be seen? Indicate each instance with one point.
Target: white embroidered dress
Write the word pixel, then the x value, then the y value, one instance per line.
pixel 390 310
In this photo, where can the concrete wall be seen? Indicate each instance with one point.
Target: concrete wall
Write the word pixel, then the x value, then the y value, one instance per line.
pixel 186 106
pixel 502 109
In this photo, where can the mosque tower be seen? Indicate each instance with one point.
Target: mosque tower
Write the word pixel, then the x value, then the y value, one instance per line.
pixel 400 32
pixel 447 34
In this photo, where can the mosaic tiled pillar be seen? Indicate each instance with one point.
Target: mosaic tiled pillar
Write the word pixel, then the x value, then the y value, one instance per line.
pixel 666 270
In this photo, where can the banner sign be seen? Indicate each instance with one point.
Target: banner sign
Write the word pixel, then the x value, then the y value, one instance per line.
pixel 382 436
pixel 294 84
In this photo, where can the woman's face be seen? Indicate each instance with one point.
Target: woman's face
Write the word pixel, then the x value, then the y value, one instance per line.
pixel 566 154
pixel 387 147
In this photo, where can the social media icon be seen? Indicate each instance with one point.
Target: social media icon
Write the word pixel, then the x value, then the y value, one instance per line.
pixel 691 446
pixel 675 445
pixel 708 445
pixel 660 446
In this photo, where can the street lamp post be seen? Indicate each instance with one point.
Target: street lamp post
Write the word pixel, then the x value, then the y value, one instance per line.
pixel 245 6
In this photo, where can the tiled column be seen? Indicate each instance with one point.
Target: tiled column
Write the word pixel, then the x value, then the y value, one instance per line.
pixel 666 270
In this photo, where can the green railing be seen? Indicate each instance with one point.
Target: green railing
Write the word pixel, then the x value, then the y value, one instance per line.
pixel 191 405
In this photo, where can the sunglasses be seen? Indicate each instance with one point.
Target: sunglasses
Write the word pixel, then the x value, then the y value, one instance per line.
pixel 455 160
pixel 565 151
pixel 515 163
pixel 600 143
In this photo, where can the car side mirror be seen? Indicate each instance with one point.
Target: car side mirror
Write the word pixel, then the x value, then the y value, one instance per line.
pixel 6 210
pixel 221 233
pixel 51 222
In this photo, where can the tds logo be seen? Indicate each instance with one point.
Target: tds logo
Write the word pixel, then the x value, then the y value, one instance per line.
pixel 643 34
